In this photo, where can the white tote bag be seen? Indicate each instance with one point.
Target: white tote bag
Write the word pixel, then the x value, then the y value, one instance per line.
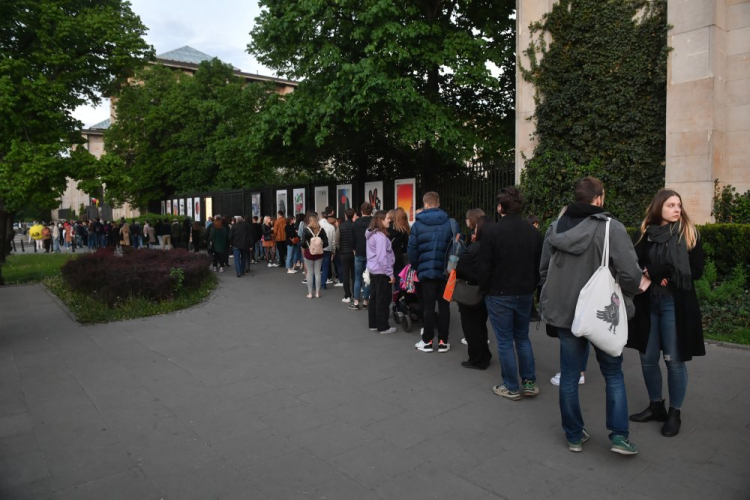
pixel 601 315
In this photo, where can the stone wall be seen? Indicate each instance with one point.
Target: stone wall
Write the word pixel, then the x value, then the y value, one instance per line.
pixel 708 97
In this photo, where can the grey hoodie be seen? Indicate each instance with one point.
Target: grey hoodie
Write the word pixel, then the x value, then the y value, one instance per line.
pixel 570 258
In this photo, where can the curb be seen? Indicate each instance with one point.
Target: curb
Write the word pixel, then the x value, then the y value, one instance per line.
pixel 728 345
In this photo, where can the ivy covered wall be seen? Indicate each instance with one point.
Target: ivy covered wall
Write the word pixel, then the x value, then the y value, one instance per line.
pixel 600 104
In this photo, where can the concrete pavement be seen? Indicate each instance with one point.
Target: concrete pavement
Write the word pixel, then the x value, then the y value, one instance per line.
pixel 262 393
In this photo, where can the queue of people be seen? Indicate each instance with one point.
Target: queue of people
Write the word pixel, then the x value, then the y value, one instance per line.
pixel 504 263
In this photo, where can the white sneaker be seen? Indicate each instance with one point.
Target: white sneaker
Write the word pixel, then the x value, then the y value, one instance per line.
pixel 270 265
pixel 339 284
pixel 346 299
pixel 390 330
pixel 463 341
pixel 556 379
pixel 329 282
pixel 274 265
pixel 291 271
pixel 421 346
pixel 221 269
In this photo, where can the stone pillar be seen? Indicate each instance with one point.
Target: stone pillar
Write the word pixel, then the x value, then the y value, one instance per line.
pixel 527 11
pixel 736 170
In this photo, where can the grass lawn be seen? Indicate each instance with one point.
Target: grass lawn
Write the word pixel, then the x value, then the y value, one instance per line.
pixel 33 268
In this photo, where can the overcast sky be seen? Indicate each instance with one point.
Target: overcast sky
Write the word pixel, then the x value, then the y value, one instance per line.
pixel 220 28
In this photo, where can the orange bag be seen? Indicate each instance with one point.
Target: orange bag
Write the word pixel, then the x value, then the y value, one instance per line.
pixel 450 286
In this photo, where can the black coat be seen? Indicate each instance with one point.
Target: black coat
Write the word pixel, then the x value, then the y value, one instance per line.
pixel 399 243
pixel 468 265
pixel 687 309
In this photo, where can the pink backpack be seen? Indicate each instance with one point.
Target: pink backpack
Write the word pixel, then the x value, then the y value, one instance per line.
pixel 316 244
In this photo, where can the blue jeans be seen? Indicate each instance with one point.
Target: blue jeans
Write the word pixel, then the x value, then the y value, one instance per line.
pixel 572 352
pixel 663 337
pixel 326 271
pixel 292 255
pixel 360 288
pixel 240 260
pixel 510 316
pixel 258 250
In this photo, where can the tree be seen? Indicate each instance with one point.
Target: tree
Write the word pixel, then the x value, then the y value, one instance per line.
pixel 391 81
pixel 176 133
pixel 601 100
pixel 55 55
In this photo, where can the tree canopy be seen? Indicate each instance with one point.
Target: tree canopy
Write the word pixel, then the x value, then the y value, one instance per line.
pixel 56 55
pixel 176 133
pixel 391 81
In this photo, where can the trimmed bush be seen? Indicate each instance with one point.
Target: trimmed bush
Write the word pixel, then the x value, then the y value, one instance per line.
pixel 152 274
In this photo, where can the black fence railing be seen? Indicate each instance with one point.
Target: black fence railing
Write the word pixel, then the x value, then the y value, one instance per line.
pixel 475 186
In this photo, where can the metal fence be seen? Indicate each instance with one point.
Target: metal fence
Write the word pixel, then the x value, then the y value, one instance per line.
pixel 475 186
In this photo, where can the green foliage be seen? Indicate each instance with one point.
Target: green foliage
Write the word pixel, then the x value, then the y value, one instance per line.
pixel 601 103
pixel 178 279
pixel 388 84
pixel 88 309
pixel 56 55
pixel 730 206
pixel 727 245
pixel 176 132
pixel 725 305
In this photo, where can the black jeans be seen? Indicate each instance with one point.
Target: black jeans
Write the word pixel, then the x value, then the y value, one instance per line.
pixel 220 258
pixel 281 253
pixel 431 292
pixel 347 271
pixel 474 325
pixel 380 302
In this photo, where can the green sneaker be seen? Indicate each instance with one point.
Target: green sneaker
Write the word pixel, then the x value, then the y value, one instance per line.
pixel 621 445
pixel 503 391
pixel 577 447
pixel 530 389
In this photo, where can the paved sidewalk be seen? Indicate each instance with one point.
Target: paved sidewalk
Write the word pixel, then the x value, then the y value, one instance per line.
pixel 261 393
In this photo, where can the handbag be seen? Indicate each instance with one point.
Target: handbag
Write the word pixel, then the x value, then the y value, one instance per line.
pixel 295 240
pixel 466 294
pixel 601 315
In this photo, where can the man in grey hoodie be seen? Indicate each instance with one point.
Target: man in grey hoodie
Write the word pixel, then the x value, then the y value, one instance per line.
pixel 571 254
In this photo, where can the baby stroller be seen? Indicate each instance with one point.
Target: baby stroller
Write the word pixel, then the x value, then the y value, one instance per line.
pixel 406 305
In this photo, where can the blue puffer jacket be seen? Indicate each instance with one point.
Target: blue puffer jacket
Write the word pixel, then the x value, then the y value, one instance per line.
pixel 428 242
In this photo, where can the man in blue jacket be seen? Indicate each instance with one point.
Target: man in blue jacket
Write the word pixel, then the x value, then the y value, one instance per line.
pixel 428 243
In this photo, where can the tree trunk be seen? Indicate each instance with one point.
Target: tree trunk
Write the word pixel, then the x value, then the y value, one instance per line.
pixel 6 235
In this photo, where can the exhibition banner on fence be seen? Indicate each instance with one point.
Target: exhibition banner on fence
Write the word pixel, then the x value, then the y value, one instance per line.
pixel 321 198
pixel 374 194
pixel 255 202
pixel 175 207
pixel 343 199
pixel 189 206
pixel 163 207
pixel 281 201
pixel 298 196
pixel 168 208
pixel 197 211
pixel 406 197
pixel 209 208
pixel 182 206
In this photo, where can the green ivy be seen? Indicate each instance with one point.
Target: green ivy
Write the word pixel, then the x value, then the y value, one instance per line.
pixel 600 104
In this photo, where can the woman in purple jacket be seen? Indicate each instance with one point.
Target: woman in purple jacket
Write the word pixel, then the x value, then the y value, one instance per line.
pixel 380 259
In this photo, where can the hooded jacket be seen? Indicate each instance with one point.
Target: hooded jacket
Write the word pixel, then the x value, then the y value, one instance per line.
pixel 572 255
pixel 380 257
pixel 428 243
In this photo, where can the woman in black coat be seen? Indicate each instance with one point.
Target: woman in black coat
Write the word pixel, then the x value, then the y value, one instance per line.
pixel 474 318
pixel 667 316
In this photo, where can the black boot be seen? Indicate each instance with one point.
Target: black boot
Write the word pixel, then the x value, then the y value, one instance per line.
pixel 672 427
pixel 655 411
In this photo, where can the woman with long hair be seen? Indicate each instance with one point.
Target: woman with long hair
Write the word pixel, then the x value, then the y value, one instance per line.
pixel 398 233
pixel 269 244
pixel 474 318
pixel 380 260
pixel 219 243
pixel 311 246
pixel 667 317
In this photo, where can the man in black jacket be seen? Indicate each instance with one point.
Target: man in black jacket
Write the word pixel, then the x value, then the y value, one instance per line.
pixel 509 271
pixel 346 252
pixel 361 289
pixel 241 239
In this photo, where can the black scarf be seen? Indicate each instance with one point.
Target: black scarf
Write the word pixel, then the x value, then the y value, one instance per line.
pixel 671 249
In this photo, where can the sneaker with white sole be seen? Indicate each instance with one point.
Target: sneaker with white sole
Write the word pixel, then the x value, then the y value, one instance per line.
pixel 270 265
pixel 221 269
pixel 443 346
pixel 390 330
pixel 530 389
pixel 621 445
pixel 354 306
pixel 503 391
pixel 577 446
pixel 291 271
pixel 346 299
pixel 424 347
pixel 556 379
pixel 373 329
pixel 339 284
pixel 463 341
